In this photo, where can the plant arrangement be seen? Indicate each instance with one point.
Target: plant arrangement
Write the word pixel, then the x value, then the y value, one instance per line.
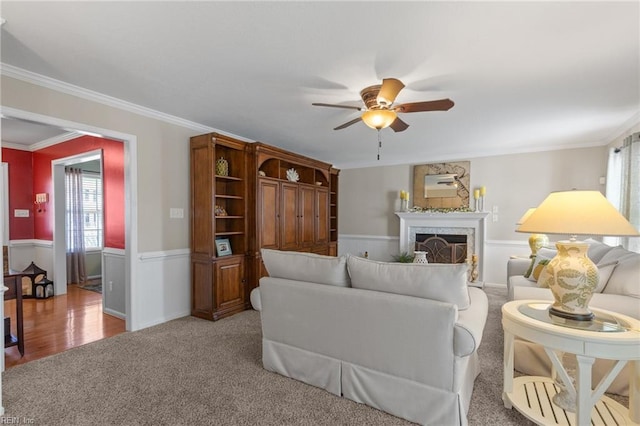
pixel 403 257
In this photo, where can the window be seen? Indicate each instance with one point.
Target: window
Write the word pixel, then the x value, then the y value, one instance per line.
pixel 623 181
pixel 92 210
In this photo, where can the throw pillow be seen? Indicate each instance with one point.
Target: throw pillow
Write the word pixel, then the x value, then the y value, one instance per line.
pixel 543 256
pixel 624 280
pixel 597 250
pixel 309 267
pixel 436 281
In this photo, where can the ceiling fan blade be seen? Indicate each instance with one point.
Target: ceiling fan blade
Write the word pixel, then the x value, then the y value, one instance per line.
pixel 339 106
pixel 348 123
pixel 439 105
pixel 399 125
pixel 389 90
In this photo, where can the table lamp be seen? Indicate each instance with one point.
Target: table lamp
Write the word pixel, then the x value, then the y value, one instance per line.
pixel 571 275
pixel 536 241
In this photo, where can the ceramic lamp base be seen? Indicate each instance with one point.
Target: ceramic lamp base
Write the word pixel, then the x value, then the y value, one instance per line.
pixel 572 277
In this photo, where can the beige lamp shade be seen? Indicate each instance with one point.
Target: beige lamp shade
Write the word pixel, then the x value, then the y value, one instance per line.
pixel 525 216
pixel 577 213
pixel 379 118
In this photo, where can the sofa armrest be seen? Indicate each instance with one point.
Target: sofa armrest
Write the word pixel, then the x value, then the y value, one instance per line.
pixel 254 297
pixel 517 266
pixel 533 293
pixel 467 331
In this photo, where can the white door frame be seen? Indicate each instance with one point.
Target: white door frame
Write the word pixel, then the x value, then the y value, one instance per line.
pixel 130 201
pixel 58 199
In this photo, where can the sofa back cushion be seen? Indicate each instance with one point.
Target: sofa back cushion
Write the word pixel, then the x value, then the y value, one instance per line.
pixel 625 277
pixel 309 267
pixel 597 250
pixel 441 282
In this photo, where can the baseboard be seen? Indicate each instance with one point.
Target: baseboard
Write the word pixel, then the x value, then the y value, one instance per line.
pixel 114 313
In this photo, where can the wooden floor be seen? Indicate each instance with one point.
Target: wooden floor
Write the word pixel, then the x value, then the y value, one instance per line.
pixel 59 323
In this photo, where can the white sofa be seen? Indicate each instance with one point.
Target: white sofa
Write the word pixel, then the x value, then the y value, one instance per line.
pixel 619 292
pixel 343 324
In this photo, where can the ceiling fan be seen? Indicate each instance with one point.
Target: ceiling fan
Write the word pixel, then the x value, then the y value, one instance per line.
pixel 379 111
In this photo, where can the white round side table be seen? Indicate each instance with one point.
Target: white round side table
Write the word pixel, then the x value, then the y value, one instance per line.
pixel 609 336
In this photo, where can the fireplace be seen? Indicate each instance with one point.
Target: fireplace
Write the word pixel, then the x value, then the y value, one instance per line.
pixel 443 248
pixel 470 226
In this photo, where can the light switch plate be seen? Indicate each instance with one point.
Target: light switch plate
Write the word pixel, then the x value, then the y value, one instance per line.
pixel 21 213
pixel 176 213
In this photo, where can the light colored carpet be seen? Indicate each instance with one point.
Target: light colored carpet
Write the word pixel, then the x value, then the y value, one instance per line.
pixel 195 372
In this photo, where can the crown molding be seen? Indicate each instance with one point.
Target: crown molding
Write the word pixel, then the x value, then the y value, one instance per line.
pixel 54 140
pixel 17 146
pixel 80 92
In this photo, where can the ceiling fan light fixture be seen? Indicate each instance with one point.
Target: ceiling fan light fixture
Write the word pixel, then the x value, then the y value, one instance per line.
pixel 379 118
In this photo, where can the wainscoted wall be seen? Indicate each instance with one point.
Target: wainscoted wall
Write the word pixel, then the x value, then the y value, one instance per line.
pixel 23 252
pixel 113 282
pixel 383 248
pixel 162 287
pixel 93 260
pixel 161 290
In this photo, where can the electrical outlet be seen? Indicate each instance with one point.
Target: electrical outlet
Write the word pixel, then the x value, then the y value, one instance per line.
pixel 495 217
pixel 21 213
pixel 110 285
pixel 495 209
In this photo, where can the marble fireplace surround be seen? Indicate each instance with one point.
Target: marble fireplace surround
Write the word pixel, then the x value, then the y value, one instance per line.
pixel 471 224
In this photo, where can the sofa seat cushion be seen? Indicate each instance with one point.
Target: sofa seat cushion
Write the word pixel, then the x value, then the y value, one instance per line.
pixel 308 267
pixel 441 282
pixel 519 281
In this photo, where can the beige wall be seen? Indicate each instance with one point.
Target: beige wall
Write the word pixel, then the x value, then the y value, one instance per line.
pixel 617 141
pixel 369 196
pixel 162 152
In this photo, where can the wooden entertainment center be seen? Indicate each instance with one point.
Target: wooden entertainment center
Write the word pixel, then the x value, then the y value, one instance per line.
pixel 248 196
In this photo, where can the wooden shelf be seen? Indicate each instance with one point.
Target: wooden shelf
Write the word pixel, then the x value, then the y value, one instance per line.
pixel 542 410
pixel 228 178
pixel 229 217
pixel 229 197
pixel 224 234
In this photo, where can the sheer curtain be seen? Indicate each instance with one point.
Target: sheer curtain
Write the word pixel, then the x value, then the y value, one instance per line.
pixel 623 187
pixel 76 270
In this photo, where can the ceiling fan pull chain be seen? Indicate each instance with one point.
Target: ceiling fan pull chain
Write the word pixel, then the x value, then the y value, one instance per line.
pixel 379 144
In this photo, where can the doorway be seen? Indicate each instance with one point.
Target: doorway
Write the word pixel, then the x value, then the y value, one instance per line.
pixel 130 209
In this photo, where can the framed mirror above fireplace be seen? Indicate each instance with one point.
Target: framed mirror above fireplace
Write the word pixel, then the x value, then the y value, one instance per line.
pixel 441 185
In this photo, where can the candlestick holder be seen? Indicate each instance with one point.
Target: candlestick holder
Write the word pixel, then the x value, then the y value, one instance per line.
pixel 473 271
pixel 481 202
pixel 477 209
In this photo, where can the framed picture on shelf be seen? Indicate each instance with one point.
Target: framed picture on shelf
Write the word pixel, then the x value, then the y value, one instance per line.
pixel 223 247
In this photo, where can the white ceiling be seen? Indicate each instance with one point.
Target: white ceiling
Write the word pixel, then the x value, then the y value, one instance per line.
pixel 524 76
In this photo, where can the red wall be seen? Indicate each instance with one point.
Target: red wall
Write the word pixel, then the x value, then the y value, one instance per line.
pixel 20 192
pixel 113 184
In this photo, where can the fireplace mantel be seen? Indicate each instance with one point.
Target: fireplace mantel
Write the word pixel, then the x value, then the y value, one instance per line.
pixel 472 224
